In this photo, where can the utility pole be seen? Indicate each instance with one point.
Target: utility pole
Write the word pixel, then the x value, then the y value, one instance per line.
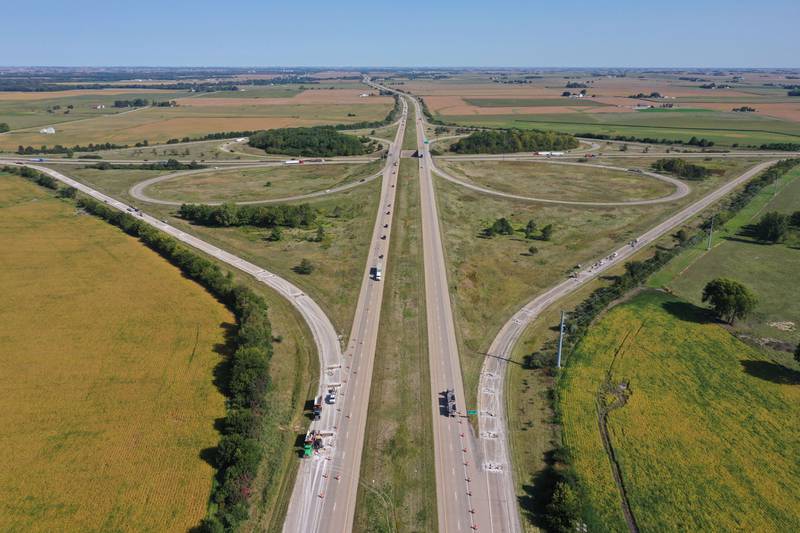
pixel 710 233
pixel 560 341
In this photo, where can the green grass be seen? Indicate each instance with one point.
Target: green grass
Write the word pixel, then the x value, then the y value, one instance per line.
pixel 702 442
pixel 766 269
pixel 533 102
pixel 397 491
pixel 235 185
pixel 562 182
pixel 410 135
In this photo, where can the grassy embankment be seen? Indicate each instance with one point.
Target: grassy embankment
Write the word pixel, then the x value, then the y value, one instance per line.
pixel 397 492
pixel 701 439
pixel 110 387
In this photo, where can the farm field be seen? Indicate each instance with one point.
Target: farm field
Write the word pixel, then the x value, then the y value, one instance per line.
pixel 766 269
pixel 195 117
pixel 491 278
pixel 234 185
pixel 399 422
pixel 701 440
pixel 473 99
pixel 558 181
pixel 36 109
pixel 109 386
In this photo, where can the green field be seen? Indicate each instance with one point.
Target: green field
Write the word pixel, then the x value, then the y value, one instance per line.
pixel 557 181
pixel 108 386
pixel 235 185
pixel 533 102
pixel 398 448
pixel 702 438
pixel 766 269
pixel 724 129
pixel 491 278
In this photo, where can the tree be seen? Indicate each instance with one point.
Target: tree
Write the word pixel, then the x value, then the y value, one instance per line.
pixel 794 220
pixel 530 229
pixel 682 236
pixel 305 267
pixel 533 250
pixel 729 299
pixel 772 227
pixel 276 235
pixel 797 353
pixel 501 226
pixel 547 232
pixel 563 509
pixel 320 236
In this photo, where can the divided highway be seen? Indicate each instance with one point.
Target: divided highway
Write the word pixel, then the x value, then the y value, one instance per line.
pixel 324 495
pixel 463 500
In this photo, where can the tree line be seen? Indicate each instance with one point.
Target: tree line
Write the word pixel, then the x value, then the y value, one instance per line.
pixel 788 147
pixel 682 168
pixel 169 164
pixel 513 140
pixel 40 178
pixel 694 141
pixel 263 216
pixel 317 141
pixel 136 102
pixel 59 149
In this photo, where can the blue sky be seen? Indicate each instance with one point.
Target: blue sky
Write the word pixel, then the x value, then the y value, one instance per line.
pixel 373 33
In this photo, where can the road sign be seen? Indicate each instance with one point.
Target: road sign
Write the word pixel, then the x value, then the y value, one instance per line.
pixel 472 411
pixel 425 141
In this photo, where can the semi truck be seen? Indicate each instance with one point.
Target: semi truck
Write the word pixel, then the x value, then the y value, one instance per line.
pixel 450 399
pixel 376 273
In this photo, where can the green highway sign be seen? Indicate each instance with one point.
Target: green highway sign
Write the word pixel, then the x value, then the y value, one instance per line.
pixel 472 411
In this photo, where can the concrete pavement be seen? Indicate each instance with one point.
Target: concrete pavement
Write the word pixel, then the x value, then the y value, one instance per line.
pixel 325 492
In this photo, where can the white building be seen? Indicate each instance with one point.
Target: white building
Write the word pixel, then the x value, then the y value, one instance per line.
pixel 49 130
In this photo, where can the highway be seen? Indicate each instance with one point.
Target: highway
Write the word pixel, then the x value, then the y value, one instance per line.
pixel 461 490
pixel 324 495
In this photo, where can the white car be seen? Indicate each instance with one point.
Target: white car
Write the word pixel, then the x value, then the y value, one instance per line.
pixel 331 398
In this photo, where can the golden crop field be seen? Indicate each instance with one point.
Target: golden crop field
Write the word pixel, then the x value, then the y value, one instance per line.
pixel 107 394
pixel 707 440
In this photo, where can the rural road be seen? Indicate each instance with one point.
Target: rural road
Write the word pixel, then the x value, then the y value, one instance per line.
pixel 681 188
pixel 138 190
pixel 324 495
pixel 492 423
